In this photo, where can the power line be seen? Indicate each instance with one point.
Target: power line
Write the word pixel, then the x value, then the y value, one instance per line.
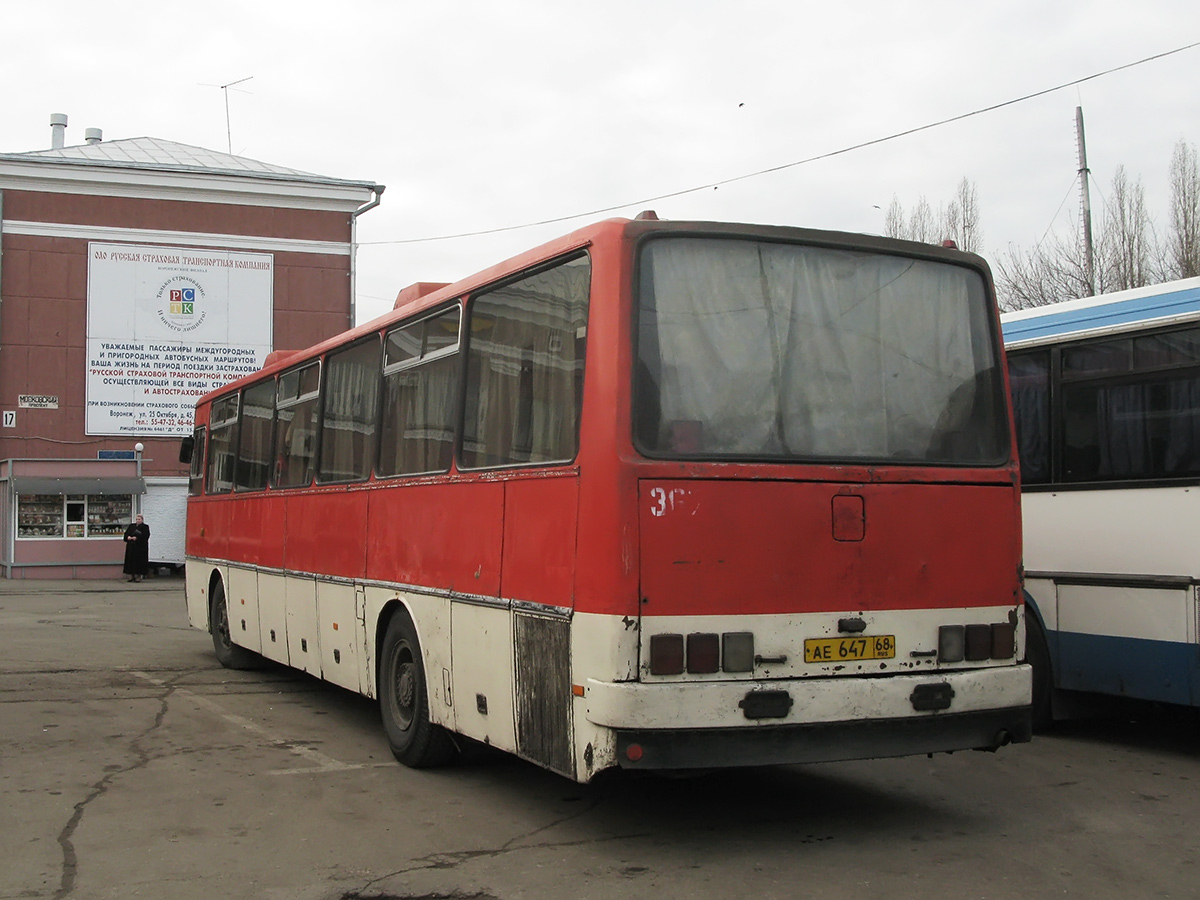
pixel 1066 196
pixel 791 165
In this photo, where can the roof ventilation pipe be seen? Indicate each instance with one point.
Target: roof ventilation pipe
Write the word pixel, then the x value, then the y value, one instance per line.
pixel 58 131
pixel 93 135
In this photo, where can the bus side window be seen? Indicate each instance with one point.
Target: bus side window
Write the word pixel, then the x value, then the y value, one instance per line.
pixel 196 473
pixel 420 387
pixel 524 369
pixel 296 426
pixel 1029 380
pixel 222 444
pixel 254 442
pixel 348 414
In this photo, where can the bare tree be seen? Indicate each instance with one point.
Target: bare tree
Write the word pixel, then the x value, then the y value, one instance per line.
pixel 922 226
pixel 1127 249
pixel 1052 271
pixel 960 219
pixel 1182 247
pixel 894 225
pixel 1128 253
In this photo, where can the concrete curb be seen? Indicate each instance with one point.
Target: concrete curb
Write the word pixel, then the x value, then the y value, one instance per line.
pixel 9 586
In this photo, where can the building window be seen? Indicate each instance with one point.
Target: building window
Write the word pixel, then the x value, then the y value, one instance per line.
pixel 73 516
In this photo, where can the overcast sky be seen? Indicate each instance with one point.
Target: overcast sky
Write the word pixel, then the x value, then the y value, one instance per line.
pixel 485 115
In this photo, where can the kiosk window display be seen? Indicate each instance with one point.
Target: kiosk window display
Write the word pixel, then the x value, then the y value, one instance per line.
pixel 73 515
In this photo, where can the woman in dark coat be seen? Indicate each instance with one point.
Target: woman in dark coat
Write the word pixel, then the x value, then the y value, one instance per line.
pixel 137 549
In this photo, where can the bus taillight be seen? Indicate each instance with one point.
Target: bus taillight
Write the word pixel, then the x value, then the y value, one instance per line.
pixel 976 642
pixel 701 653
pixel 666 654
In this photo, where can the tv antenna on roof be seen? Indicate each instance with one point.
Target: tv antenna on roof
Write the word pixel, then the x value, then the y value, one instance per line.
pixel 225 88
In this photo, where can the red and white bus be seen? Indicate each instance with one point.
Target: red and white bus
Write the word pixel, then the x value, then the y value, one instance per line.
pixel 656 495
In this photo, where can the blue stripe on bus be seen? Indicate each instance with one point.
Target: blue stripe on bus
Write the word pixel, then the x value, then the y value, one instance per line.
pixel 1126 667
pixel 1103 315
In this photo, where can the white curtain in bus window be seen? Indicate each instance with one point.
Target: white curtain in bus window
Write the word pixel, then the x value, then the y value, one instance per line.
pixel 525 369
pixel 1131 408
pixel 296 426
pixel 254 445
pixel 420 395
pixel 223 444
pixel 767 350
pixel 1029 379
pixel 348 421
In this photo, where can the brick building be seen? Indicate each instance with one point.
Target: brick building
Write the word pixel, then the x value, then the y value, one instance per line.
pixel 135 275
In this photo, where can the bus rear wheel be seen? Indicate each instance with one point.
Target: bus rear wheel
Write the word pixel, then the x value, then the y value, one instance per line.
pixel 404 700
pixel 229 654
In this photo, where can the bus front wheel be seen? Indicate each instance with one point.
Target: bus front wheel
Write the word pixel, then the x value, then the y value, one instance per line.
pixel 229 654
pixel 404 700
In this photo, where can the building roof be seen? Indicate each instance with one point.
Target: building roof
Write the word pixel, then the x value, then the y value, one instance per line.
pixel 152 167
pixel 156 154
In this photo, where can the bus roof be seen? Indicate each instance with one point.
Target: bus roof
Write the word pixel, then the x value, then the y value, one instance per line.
pixel 408 303
pixel 1159 304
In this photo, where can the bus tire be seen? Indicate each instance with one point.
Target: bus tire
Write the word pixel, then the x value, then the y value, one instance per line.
pixel 229 654
pixel 404 700
pixel 1037 654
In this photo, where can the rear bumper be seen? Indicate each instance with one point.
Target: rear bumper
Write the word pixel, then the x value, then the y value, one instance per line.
pixel 636 705
pixel 723 723
pixel 770 745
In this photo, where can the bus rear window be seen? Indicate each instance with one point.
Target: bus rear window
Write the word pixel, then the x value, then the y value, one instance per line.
pixel 771 351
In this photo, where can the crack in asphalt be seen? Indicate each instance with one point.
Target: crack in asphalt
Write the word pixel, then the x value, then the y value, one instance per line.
pixel 70 865
pixel 440 861
pixel 114 627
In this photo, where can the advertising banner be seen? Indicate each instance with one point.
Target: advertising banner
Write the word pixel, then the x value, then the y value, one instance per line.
pixel 166 325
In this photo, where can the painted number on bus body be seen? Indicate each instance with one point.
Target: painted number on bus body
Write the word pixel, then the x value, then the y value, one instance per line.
pixel 663 501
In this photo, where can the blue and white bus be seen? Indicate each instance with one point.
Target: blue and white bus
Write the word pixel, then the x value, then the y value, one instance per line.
pixel 1106 395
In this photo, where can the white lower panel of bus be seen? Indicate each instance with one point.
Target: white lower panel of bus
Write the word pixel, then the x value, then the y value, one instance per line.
pixel 556 687
pixel 716 704
pixel 1142 613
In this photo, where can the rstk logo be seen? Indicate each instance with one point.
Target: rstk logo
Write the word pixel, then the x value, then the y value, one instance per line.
pixel 183 302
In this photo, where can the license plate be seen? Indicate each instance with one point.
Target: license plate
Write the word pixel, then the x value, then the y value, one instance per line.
pixel 849 649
